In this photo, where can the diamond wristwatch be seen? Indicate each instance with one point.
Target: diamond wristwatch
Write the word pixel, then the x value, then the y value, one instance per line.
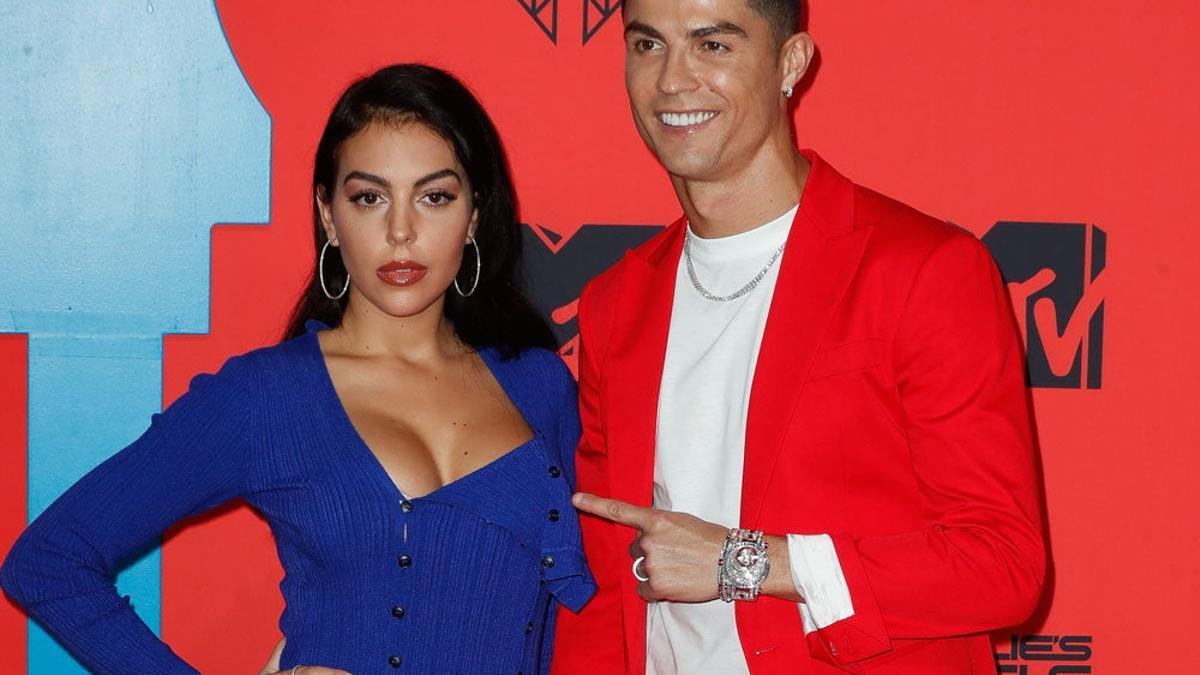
pixel 743 566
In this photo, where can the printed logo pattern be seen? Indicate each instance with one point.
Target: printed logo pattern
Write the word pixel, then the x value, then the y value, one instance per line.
pixel 1055 273
pixel 545 14
pixel 1045 655
pixel 558 268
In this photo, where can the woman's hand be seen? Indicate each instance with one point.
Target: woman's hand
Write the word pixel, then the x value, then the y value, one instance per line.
pixel 272 667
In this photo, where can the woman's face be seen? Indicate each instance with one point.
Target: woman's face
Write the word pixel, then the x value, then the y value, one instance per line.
pixel 400 213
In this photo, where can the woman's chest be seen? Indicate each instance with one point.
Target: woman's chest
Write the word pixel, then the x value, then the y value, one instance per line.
pixel 429 432
pixel 335 498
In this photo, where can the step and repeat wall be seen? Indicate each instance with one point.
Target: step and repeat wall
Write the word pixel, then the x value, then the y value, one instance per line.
pixel 156 158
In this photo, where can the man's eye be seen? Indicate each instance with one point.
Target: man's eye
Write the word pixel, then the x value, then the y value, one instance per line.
pixel 715 47
pixel 645 45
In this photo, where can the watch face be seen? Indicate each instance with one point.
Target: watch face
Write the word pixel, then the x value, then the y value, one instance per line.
pixel 746 556
pixel 746 566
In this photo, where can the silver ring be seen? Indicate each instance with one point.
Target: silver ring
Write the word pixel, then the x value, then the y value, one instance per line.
pixel 296 668
pixel 636 575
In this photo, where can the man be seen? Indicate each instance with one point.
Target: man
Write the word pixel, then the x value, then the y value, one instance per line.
pixel 829 371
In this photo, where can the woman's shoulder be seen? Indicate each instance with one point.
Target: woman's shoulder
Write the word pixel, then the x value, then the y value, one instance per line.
pixel 543 368
pixel 290 351
pixel 538 382
pixel 263 368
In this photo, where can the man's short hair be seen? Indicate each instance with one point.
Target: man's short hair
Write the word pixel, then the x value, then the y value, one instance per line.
pixel 785 16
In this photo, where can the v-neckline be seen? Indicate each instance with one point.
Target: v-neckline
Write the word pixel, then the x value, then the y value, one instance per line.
pixel 343 418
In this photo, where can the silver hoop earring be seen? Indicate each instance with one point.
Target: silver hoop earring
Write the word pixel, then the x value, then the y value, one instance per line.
pixel 321 276
pixel 478 270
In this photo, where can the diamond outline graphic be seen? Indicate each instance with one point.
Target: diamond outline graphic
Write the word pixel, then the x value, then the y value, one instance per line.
pixel 536 9
pixel 605 8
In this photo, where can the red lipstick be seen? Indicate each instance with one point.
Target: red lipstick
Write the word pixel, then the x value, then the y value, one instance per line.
pixel 401 273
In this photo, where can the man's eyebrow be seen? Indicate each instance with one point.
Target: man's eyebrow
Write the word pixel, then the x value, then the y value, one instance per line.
pixel 639 27
pixel 369 177
pixel 722 28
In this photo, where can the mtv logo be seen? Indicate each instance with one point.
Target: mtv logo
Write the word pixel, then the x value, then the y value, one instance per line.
pixel 558 268
pixel 1054 273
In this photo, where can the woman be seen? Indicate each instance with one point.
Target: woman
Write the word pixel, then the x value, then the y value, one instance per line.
pixel 410 444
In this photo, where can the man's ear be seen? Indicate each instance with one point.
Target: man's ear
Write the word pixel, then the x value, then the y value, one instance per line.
pixel 796 56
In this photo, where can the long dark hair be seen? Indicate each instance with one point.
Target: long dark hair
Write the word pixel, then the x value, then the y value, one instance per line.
pixel 498 314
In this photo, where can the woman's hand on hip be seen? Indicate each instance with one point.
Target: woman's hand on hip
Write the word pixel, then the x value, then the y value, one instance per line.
pixel 272 667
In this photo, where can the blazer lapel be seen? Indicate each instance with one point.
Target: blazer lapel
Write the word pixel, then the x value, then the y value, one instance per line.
pixel 822 255
pixel 634 366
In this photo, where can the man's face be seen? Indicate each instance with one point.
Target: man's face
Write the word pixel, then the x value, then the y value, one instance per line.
pixel 704 83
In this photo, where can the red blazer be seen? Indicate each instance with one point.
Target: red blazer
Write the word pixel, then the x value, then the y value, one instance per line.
pixel 888 410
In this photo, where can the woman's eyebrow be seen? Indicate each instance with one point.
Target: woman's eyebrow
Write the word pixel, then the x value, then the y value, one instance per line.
pixel 369 177
pixel 436 175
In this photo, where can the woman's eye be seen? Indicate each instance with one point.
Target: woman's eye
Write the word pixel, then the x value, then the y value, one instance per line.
pixel 367 199
pixel 439 198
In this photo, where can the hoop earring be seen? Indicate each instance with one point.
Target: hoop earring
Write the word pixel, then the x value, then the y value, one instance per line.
pixel 321 276
pixel 478 269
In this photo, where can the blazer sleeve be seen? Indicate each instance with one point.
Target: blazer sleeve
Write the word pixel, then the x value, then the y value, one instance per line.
pixel 592 641
pixel 980 562
pixel 61 570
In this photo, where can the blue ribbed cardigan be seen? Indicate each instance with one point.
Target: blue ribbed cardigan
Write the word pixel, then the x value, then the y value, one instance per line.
pixel 459 581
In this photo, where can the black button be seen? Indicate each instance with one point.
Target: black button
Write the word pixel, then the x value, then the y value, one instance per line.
pixel 405 561
pixel 554 472
pixel 548 561
pixel 406 506
pixel 554 515
pixel 398 612
pixel 394 661
pixel 529 628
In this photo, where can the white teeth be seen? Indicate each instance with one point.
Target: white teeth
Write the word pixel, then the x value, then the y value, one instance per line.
pixel 685 119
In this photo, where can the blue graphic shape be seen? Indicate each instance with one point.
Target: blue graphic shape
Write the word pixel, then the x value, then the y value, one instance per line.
pixel 126 130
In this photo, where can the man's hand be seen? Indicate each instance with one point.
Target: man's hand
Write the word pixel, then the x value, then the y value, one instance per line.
pixel 682 552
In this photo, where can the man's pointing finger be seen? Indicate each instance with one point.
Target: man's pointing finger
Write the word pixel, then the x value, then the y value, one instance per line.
pixel 613 509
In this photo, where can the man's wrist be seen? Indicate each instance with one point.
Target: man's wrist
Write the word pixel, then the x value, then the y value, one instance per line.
pixel 779 583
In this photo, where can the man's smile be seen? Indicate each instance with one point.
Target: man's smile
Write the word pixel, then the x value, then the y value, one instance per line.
pixel 686 119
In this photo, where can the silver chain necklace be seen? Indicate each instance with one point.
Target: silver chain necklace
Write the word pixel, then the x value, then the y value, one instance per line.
pixel 750 285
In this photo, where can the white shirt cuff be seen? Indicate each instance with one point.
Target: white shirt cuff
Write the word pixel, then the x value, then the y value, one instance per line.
pixel 818 577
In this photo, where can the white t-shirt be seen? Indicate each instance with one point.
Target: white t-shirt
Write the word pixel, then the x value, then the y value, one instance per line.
pixel 704 398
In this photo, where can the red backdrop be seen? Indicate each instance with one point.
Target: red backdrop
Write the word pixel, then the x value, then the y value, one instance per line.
pixel 1067 112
